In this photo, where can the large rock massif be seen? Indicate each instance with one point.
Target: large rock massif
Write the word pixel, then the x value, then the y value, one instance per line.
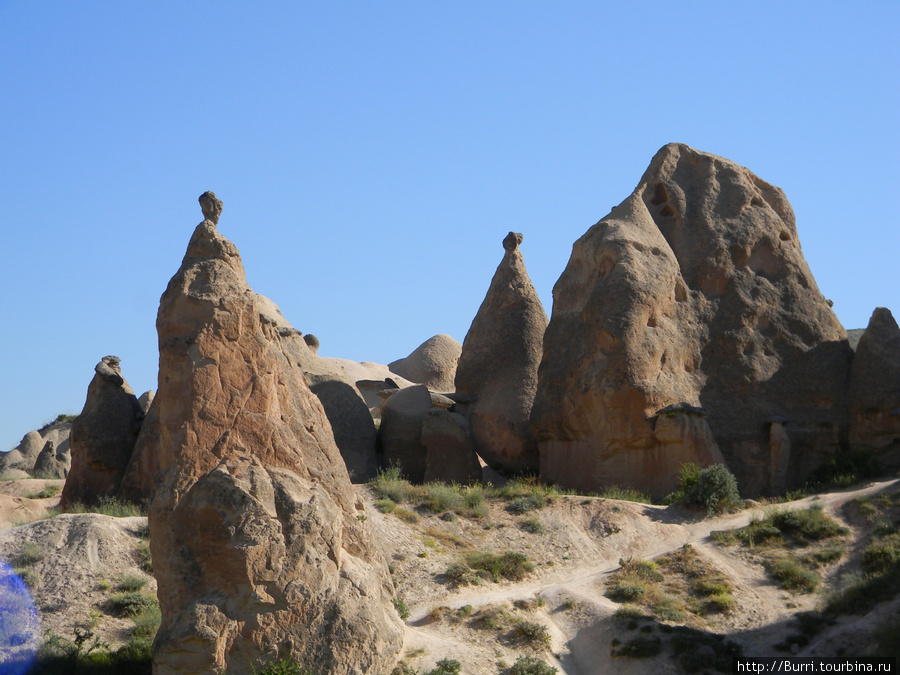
pixel 692 292
pixel 499 363
pixel 257 546
pixel 102 437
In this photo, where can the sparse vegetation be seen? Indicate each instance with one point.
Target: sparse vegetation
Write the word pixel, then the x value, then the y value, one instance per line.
pixel 401 607
pixel 282 667
pixel 531 665
pixel 625 494
pixel 48 492
pixel 532 632
pixel 445 667
pixel 509 565
pixel 127 604
pixel 132 582
pixel 109 506
pixel 532 525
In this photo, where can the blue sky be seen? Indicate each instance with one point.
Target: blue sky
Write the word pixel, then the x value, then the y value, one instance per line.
pixel 372 156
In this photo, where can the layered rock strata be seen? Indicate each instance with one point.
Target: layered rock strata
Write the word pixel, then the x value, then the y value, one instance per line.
pixel 258 550
pixel 694 290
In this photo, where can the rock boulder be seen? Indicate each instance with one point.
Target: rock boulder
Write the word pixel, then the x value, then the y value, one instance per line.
pixel 432 363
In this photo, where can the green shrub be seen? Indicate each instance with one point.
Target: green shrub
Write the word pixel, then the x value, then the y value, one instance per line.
pixel 793 576
pixel 509 565
pixel 385 505
pixel 132 582
pixel 532 632
pixel 282 667
pixel 809 524
pixel 719 602
pixel 882 554
pixel 623 591
pixel 390 484
pixel 144 559
pixel 438 497
pixel 401 607
pixel 127 604
pixel 30 554
pixel 146 622
pixel 446 667
pixel 461 574
pixel 531 665
pixel 532 525
pixel 713 489
pixel 406 515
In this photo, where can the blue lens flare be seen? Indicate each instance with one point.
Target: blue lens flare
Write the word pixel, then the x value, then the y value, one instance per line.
pixel 19 625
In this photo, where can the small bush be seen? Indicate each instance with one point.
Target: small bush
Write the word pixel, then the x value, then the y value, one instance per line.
pixel 719 602
pixel 401 607
pixel 531 665
pixel 146 622
pixel 623 591
pixel 406 515
pixel 438 497
pixel 445 667
pixel 46 493
pixel 30 554
pixel 532 525
pixel 882 555
pixel 713 489
pixel 385 505
pixel 390 484
pixel 845 469
pixel 144 559
pixel 127 604
pixel 793 576
pixel 509 565
pixel 808 524
pixel 532 632
pixel 132 582
pixel 282 667
pixel 461 575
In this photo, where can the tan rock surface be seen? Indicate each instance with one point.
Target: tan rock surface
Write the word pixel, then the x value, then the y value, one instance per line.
pixel 499 365
pixel 432 363
pixel 875 391
pixel 693 290
pixel 102 437
pixel 256 543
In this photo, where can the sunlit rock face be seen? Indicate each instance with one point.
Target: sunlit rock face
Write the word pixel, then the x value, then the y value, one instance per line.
pixel 258 547
pixel 692 291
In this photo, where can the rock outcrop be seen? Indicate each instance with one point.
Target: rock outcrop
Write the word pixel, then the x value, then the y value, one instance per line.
pixel 53 462
pixel 875 391
pixel 449 452
pixel 102 437
pixel 432 363
pixel 498 365
pixel 21 460
pixel 257 547
pixel 142 473
pixel 693 290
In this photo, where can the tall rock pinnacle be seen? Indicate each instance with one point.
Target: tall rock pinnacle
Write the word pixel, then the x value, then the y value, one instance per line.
pixel 257 548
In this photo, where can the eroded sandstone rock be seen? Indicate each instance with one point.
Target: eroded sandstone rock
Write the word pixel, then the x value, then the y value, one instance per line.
pixel 257 548
pixel 432 363
pixel 102 437
pixel 499 363
pixel 875 391
pixel 693 290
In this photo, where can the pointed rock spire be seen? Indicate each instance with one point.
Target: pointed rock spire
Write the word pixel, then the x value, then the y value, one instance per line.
pixel 499 363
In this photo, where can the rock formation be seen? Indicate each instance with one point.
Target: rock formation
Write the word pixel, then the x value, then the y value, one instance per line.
pixel 257 548
pixel 102 437
pixel 53 463
pixel 427 442
pixel 694 290
pixel 499 363
pixel 142 472
pixel 875 391
pixel 432 363
pixel 20 461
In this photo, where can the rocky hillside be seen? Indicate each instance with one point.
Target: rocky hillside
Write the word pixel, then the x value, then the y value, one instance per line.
pixel 491 577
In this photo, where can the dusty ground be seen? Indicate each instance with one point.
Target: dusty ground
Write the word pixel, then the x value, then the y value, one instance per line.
pixel 85 555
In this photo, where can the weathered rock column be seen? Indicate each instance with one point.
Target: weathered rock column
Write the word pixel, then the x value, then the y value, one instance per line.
pixel 257 548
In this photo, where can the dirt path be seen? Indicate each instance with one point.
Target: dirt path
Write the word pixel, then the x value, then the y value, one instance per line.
pixel 581 644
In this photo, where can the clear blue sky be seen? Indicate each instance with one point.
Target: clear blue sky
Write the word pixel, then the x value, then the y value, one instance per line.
pixel 372 155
